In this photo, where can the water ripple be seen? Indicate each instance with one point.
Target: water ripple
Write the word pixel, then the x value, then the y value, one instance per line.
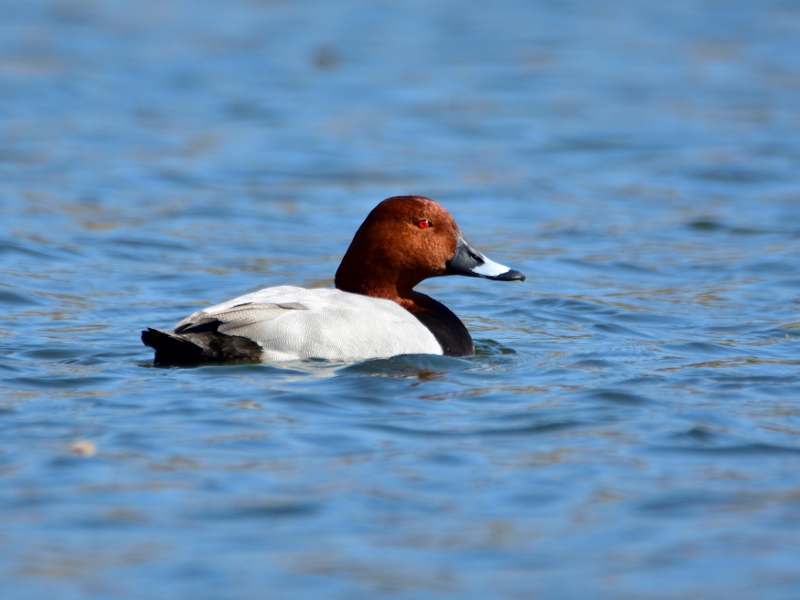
pixel 629 425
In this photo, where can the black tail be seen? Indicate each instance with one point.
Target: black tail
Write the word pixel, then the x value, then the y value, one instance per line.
pixel 203 344
pixel 173 350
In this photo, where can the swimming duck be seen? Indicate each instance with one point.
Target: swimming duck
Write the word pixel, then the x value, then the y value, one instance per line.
pixel 373 312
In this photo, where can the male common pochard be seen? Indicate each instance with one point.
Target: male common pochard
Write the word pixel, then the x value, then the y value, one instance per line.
pixel 373 312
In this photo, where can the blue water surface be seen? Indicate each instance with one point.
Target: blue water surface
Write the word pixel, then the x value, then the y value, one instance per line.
pixel 630 425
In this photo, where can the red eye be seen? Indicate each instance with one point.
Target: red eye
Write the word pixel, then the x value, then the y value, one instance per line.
pixel 424 224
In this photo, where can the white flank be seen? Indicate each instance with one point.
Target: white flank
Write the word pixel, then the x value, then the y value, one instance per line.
pixel 291 323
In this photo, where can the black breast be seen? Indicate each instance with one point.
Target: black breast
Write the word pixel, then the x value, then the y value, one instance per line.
pixel 447 328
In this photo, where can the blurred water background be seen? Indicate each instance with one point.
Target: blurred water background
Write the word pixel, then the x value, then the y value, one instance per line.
pixel 629 427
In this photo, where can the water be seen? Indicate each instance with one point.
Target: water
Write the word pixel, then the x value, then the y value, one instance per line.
pixel 629 427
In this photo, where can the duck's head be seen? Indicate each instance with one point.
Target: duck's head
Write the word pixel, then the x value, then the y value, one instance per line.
pixel 406 239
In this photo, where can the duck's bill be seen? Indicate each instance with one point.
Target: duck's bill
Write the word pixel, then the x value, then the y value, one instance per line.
pixel 468 261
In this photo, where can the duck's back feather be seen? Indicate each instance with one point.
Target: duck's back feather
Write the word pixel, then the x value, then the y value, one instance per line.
pixel 289 323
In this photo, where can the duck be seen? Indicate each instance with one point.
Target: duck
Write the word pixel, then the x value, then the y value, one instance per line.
pixel 372 312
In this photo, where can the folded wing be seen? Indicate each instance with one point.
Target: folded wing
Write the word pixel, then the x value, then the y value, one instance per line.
pixel 288 323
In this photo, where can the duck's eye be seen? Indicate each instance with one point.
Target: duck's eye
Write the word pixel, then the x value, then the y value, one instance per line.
pixel 424 224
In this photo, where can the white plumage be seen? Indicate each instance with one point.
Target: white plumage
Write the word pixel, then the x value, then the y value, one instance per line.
pixel 290 323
